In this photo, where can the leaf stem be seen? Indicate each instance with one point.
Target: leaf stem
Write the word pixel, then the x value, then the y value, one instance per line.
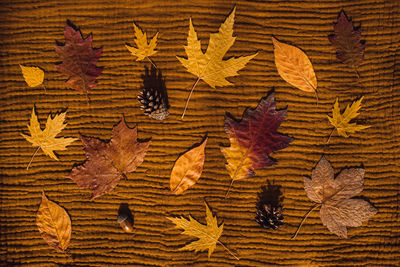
pixel 316 96
pixel 330 135
pixel 36 151
pixel 44 87
pixel 190 94
pixel 229 189
pixel 358 74
pixel 304 218
pixel 230 252
pixel 152 63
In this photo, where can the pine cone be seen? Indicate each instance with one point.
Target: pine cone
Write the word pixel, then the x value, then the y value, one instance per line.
pixel 269 207
pixel 154 97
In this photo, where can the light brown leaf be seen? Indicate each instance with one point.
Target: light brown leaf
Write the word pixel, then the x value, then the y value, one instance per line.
pixel 54 224
pixel 187 169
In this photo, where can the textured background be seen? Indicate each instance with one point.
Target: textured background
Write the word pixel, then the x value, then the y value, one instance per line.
pixel 28 32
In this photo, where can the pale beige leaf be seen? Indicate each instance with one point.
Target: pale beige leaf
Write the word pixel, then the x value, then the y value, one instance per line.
pixel 54 224
pixel 143 49
pixel 294 66
pixel 187 169
pixel 33 76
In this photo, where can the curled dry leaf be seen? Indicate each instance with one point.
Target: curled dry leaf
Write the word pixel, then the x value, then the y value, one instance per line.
pixel 294 67
pixel 54 224
pixel 33 76
pixel 108 162
pixel 144 49
pixel 338 209
pixel 187 169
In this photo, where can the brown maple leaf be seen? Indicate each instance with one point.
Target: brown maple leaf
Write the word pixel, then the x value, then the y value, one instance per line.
pixel 108 162
pixel 334 196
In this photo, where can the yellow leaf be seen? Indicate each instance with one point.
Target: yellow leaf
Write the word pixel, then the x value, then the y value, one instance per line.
pixel 239 164
pixel 46 139
pixel 187 169
pixel 210 66
pixel 33 75
pixel 54 224
pixel 143 49
pixel 294 66
pixel 342 121
pixel 207 235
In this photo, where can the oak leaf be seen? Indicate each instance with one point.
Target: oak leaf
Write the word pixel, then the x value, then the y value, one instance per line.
pixel 295 67
pixel 207 235
pixel 341 122
pixel 338 209
pixel 54 224
pixel 253 139
pixel 347 42
pixel 210 66
pixel 79 60
pixel 46 139
pixel 108 162
pixel 187 169
pixel 144 49
pixel 33 76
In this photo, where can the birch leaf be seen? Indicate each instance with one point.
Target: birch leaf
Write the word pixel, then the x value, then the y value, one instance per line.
pixel 33 76
pixel 144 49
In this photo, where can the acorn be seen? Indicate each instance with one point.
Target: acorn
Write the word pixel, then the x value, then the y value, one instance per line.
pixel 125 219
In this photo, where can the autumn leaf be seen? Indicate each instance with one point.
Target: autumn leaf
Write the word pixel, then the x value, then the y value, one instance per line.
pixel 210 66
pixel 33 76
pixel 187 169
pixel 295 67
pixel 108 162
pixel 347 42
pixel 46 139
pixel 341 122
pixel 144 49
pixel 207 235
pixel 79 60
pixel 338 209
pixel 253 139
pixel 54 224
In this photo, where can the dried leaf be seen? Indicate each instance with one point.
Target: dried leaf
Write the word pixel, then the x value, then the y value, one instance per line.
pixel 207 235
pixel 347 42
pixel 338 209
pixel 253 139
pixel 46 139
pixel 143 49
pixel 108 162
pixel 33 76
pixel 187 169
pixel 210 66
pixel 294 66
pixel 341 122
pixel 54 224
pixel 79 60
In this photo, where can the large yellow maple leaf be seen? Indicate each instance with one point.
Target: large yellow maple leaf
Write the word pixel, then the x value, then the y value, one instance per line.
pixel 210 66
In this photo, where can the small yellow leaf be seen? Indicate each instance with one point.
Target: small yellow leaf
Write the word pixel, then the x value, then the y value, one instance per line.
pixel 187 169
pixel 33 76
pixel 54 224
pixel 239 164
pixel 143 49
pixel 294 66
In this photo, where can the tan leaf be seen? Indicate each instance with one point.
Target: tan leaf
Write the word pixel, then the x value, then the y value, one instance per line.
pixel 294 66
pixel 54 224
pixel 33 76
pixel 187 169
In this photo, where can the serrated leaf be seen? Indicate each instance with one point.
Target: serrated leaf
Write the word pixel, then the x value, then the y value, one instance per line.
pixel 33 76
pixel 187 169
pixel 143 49
pixel 54 224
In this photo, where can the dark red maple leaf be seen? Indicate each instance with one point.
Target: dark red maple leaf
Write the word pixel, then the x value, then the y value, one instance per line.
pixel 347 42
pixel 108 162
pixel 253 138
pixel 78 60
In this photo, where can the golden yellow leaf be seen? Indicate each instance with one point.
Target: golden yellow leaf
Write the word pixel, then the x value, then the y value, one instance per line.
pixel 33 76
pixel 187 169
pixel 239 163
pixel 210 66
pixel 54 224
pixel 207 235
pixel 144 49
pixel 46 139
pixel 294 66
pixel 341 122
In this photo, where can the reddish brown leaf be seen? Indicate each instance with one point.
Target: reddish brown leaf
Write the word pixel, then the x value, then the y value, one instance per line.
pixel 79 60
pixel 108 162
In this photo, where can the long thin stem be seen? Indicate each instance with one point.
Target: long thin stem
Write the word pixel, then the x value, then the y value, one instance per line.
pixel 358 74
pixel 44 87
pixel 330 135
pixel 36 151
pixel 230 252
pixel 152 63
pixel 316 96
pixel 190 94
pixel 304 218
pixel 229 189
